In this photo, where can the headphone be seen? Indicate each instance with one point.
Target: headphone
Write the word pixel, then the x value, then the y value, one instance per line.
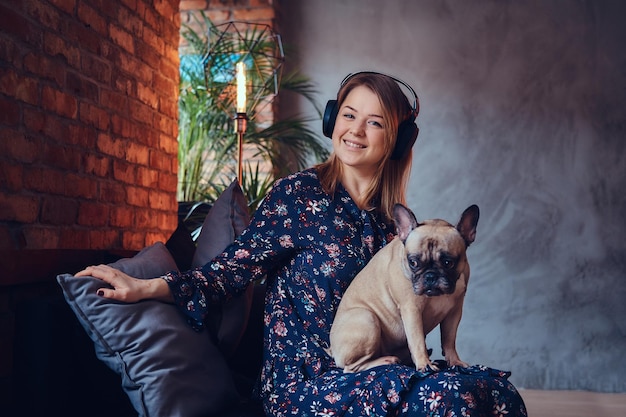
pixel 407 130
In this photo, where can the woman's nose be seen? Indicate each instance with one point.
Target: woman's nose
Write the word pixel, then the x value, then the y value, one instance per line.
pixel 357 129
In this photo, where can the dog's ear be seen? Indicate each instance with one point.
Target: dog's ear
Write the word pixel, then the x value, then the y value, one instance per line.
pixel 467 224
pixel 405 221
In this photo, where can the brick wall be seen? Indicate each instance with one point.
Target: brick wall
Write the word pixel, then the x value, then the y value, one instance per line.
pixel 220 11
pixel 88 123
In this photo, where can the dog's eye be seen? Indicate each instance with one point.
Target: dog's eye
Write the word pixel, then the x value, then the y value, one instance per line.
pixel 414 263
pixel 448 263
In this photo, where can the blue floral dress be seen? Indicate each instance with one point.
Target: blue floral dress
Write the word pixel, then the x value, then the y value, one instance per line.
pixel 310 245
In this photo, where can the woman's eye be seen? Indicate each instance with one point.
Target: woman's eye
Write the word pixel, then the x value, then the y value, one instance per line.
pixel 377 124
pixel 348 116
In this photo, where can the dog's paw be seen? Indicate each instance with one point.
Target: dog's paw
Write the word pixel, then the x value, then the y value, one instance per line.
pixel 428 366
pixel 457 362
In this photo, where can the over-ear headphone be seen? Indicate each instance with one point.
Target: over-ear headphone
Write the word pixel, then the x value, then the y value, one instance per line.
pixel 407 130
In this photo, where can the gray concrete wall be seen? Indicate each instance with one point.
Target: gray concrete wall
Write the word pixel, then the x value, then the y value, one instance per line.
pixel 523 113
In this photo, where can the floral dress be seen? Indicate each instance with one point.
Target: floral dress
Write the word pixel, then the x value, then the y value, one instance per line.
pixel 310 245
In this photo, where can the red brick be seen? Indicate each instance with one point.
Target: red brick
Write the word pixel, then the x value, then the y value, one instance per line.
pixel 97 165
pixel 170 67
pixel 92 18
pixel 169 127
pixel 147 96
pixel 168 142
pixel 148 14
pixel 133 240
pixel 140 112
pixel 81 135
pixel 67 6
pixel 43 13
pixel 44 179
pixel 41 237
pixel 20 27
pixel 130 22
pixel 104 239
pixel 61 156
pixel 59 102
pixel 124 171
pixel 162 201
pixel 261 15
pixel 78 33
pixel 94 116
pixel 18 208
pixel 165 86
pixel 165 8
pixel 82 87
pixel 11 176
pixel 93 214
pixel 167 182
pixel 8 82
pixel 110 146
pixel 16 146
pixel 148 178
pixel 155 43
pixel 137 153
pixel 9 112
pixel 74 238
pixel 58 210
pixel 34 120
pixel 136 196
pixel 193 5
pixel 122 127
pixel 161 161
pixel 79 186
pixel 122 38
pixel 56 128
pixel 122 217
pixel 114 100
pixel 168 107
pixel 55 45
pixel 44 68
pixel 143 218
pixel 112 192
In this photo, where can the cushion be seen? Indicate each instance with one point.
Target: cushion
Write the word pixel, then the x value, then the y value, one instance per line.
pixel 228 217
pixel 167 368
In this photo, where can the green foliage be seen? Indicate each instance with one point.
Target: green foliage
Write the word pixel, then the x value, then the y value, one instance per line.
pixel 207 140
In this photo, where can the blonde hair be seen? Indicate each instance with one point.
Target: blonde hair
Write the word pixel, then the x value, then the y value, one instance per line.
pixel 392 176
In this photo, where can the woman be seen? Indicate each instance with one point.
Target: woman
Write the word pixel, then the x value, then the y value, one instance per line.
pixel 312 234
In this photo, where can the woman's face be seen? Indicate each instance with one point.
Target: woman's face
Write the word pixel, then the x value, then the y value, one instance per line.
pixel 359 134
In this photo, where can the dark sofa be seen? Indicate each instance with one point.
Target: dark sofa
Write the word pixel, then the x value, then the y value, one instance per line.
pixel 55 371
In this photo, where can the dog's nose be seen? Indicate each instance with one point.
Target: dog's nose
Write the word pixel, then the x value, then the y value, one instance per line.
pixel 430 277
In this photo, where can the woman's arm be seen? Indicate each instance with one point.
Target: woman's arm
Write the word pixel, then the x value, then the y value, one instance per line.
pixel 126 288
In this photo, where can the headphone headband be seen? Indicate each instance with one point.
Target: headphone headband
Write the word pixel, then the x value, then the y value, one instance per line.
pixel 416 101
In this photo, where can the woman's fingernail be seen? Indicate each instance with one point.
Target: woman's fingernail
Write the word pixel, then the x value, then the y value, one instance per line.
pixel 100 293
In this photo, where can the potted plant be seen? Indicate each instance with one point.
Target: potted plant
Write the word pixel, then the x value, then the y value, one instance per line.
pixel 207 140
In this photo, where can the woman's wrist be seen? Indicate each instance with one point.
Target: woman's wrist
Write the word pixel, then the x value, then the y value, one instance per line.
pixel 157 289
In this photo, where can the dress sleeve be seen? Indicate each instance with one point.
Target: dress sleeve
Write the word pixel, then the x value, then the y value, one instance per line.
pixel 263 246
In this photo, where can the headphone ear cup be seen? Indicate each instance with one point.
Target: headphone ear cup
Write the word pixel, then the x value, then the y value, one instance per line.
pixel 330 116
pixel 407 135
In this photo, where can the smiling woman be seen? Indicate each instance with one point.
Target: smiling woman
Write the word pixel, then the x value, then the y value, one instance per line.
pixel 308 239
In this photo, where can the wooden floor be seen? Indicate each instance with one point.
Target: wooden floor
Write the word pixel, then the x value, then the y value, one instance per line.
pixel 573 404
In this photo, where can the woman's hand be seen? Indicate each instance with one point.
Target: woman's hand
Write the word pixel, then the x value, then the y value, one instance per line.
pixel 126 288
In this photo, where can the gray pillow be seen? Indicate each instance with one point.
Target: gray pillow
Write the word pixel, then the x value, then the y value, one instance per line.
pixel 167 368
pixel 228 217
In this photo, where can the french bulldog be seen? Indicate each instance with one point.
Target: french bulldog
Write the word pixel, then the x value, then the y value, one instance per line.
pixel 414 283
